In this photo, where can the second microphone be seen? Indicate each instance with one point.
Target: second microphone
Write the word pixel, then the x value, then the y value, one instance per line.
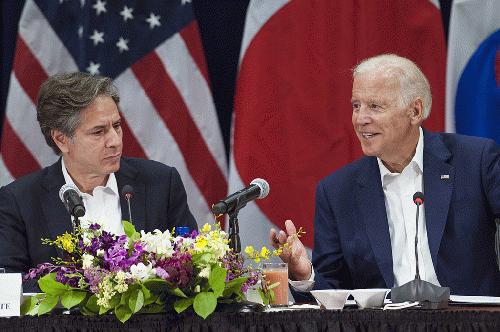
pixel 258 188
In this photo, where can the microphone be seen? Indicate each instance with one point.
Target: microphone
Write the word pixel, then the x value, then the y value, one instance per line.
pixel 418 199
pixel 127 192
pixel 70 196
pixel 427 295
pixel 258 188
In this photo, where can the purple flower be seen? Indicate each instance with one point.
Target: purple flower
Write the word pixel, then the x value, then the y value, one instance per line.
pixel 162 273
pixel 95 227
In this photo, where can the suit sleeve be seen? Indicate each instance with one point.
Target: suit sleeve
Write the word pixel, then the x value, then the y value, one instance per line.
pixel 14 256
pixel 327 258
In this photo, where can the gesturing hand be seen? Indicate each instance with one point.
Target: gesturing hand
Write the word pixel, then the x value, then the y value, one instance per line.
pixel 294 254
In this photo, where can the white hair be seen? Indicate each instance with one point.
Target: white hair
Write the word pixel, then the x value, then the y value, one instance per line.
pixel 412 80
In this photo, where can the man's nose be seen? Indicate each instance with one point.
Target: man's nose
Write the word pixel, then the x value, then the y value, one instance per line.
pixel 363 115
pixel 114 137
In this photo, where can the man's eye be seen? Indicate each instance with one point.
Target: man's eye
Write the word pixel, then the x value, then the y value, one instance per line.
pixel 98 132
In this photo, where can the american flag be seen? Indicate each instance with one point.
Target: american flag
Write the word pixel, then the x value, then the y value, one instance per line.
pixel 153 51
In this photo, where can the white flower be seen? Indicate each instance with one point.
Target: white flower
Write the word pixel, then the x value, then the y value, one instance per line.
pixel 141 272
pixel 87 261
pixel 205 272
pixel 159 243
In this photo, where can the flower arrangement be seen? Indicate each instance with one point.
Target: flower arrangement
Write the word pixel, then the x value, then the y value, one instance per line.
pixel 145 273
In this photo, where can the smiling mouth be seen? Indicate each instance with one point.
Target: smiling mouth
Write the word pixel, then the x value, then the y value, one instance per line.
pixel 113 157
pixel 366 135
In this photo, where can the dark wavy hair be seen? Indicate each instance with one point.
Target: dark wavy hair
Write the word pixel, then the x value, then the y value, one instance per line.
pixel 63 97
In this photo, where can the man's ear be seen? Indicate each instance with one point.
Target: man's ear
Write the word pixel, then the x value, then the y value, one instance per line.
pixel 60 139
pixel 416 111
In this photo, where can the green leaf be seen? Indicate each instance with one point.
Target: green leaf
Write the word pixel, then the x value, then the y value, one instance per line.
pixel 157 285
pixel 178 292
pixel 29 306
pixel 147 293
pixel 103 310
pixel 91 306
pixel 182 304
pixel 115 300
pixel 72 298
pixel 204 304
pixel 266 299
pixel 48 303
pixel 49 285
pixel 234 286
pixel 217 279
pixel 129 228
pixel 136 301
pixel 202 258
pixel 123 313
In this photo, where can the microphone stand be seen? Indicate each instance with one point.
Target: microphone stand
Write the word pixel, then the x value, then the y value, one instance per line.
pixel 234 228
pixel 127 197
pixel 75 222
pixel 428 295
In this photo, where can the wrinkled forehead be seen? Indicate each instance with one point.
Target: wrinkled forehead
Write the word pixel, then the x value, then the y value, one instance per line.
pixel 376 84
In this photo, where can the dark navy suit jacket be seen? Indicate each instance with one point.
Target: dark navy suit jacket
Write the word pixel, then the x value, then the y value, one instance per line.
pixel 31 210
pixel 352 246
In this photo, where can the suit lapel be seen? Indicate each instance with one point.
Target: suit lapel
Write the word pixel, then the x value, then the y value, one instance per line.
pixel 371 202
pixel 56 216
pixel 128 175
pixel 438 189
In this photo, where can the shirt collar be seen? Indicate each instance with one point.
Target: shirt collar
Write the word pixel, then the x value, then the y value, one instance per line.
pixel 418 158
pixel 111 184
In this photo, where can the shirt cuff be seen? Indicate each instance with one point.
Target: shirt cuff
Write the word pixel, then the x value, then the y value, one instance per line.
pixel 303 285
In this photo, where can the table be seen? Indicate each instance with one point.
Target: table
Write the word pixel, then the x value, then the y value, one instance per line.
pixel 307 320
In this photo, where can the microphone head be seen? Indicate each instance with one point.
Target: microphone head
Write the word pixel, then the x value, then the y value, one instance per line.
pixel 65 188
pixel 127 190
pixel 263 185
pixel 418 198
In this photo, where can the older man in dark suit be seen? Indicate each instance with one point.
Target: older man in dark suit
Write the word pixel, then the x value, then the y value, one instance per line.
pixel 365 223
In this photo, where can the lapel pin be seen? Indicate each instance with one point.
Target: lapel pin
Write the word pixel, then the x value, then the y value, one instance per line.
pixel 444 176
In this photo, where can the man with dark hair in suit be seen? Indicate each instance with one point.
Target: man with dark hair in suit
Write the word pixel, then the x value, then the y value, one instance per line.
pixel 79 118
pixel 364 223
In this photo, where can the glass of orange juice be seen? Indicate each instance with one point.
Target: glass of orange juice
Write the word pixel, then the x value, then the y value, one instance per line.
pixel 278 272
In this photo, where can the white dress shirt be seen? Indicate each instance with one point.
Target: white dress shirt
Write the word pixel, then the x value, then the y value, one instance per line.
pixel 103 206
pixel 401 214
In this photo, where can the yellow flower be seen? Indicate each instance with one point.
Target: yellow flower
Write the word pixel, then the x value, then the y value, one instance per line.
pixel 264 253
pixel 249 250
pixel 65 242
pixel 201 243
pixel 206 228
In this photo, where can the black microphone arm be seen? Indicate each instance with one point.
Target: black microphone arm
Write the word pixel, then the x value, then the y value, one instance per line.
pixel 232 204
pixel 127 192
pixel 258 188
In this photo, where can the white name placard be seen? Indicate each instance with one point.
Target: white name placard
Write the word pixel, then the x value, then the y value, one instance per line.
pixel 11 292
